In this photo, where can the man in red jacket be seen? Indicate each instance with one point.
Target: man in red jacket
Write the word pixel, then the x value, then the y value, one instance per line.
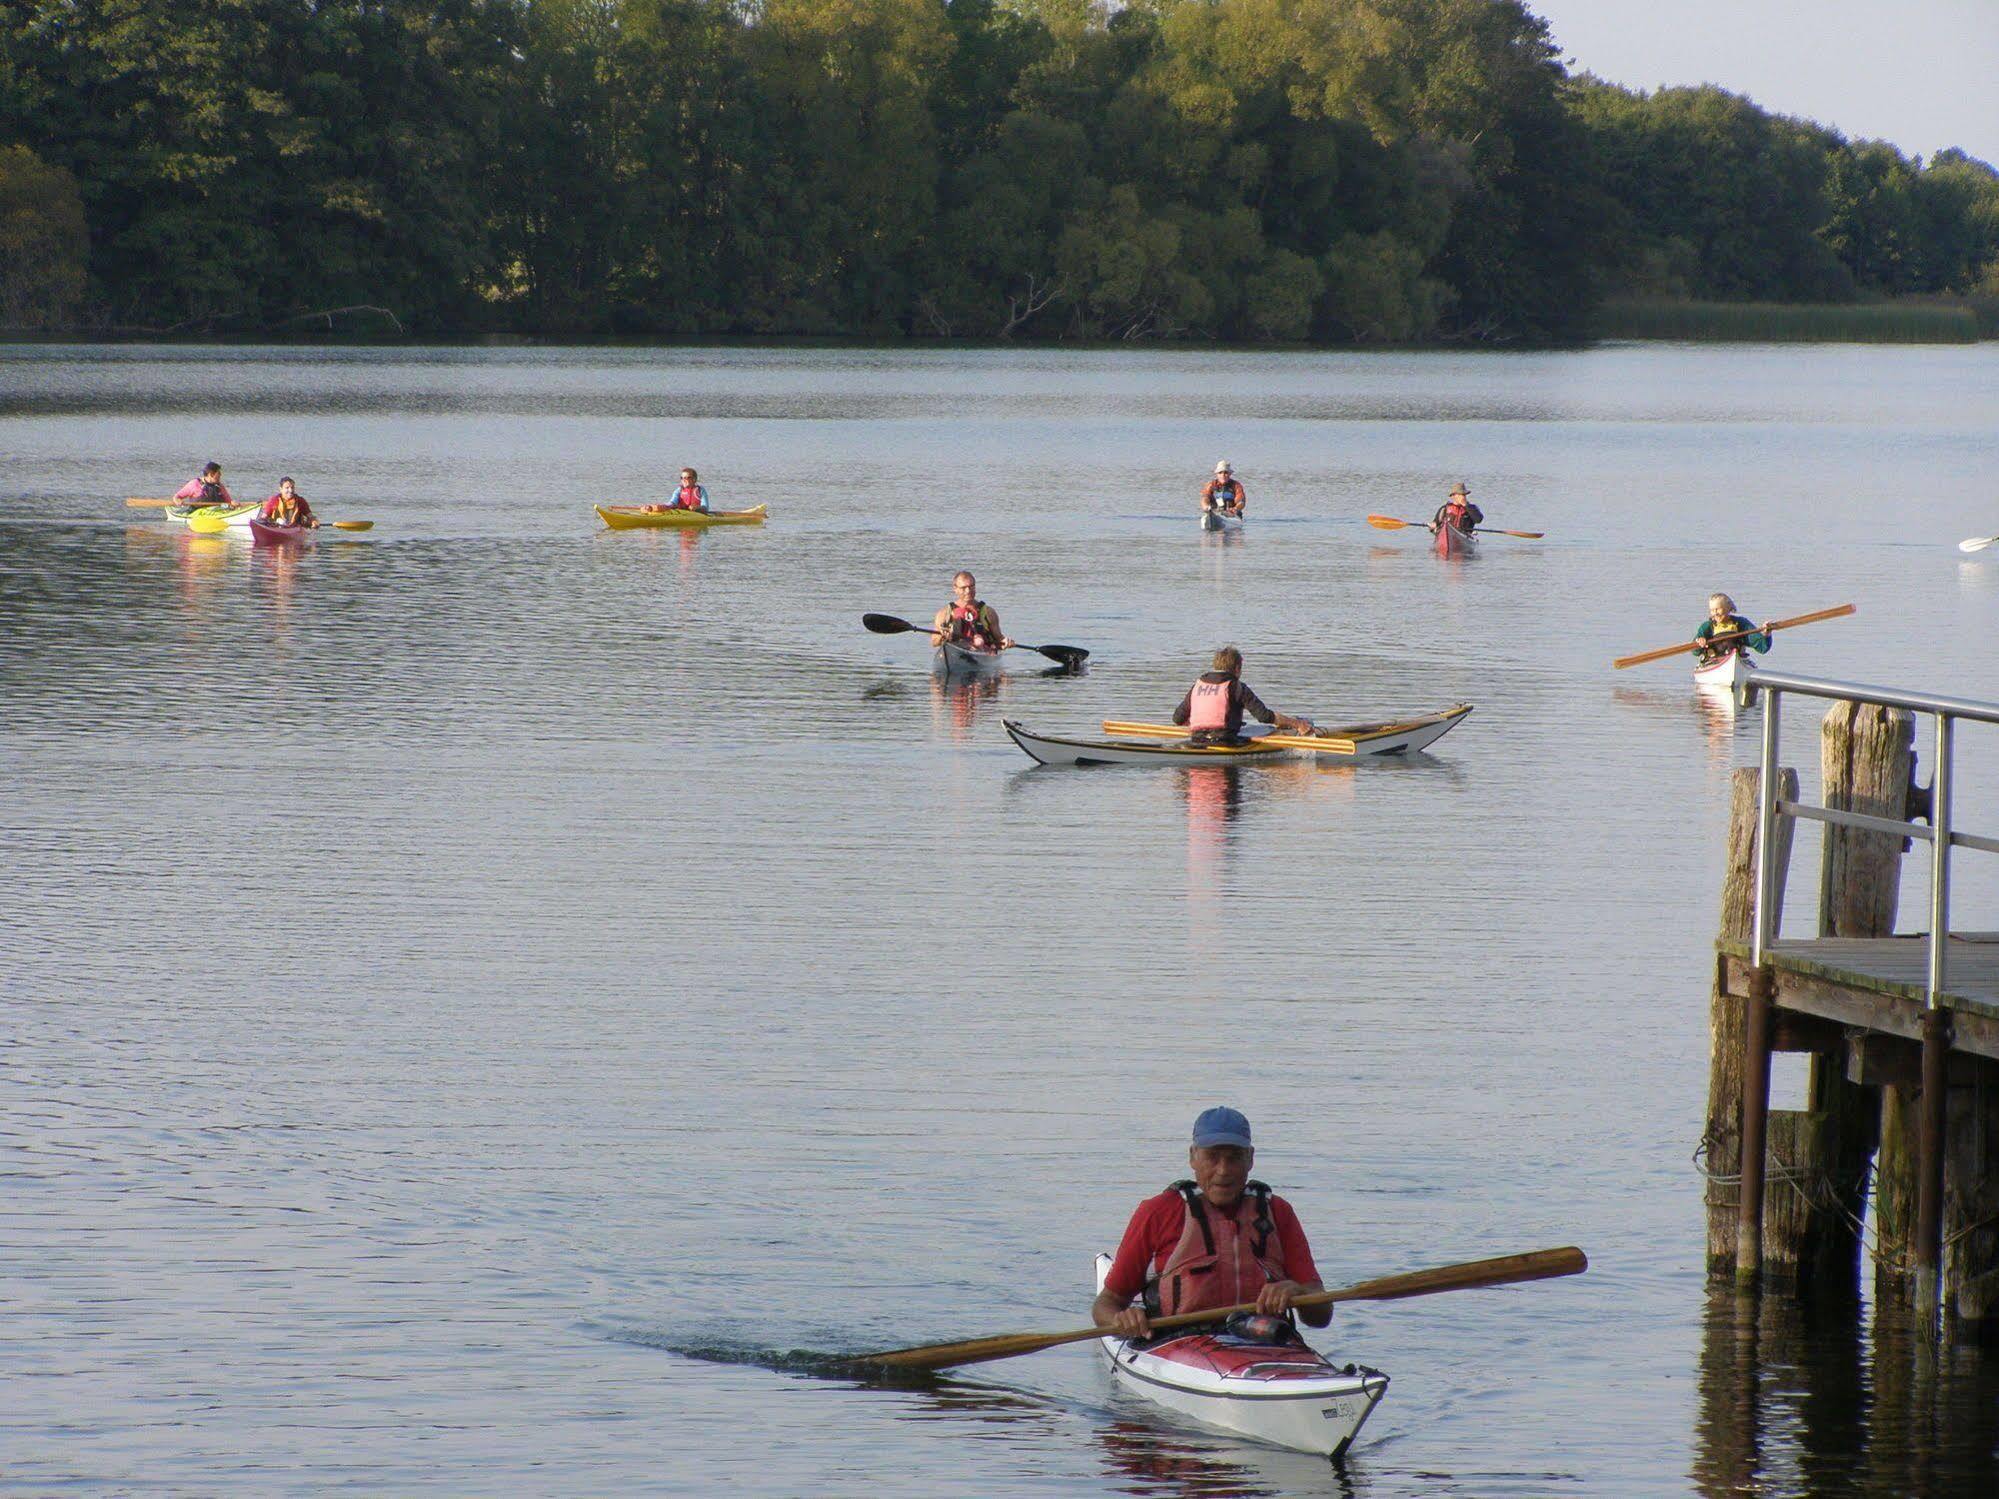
pixel 1217 1241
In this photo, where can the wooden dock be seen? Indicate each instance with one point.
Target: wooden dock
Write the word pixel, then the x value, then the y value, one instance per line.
pixel 1877 985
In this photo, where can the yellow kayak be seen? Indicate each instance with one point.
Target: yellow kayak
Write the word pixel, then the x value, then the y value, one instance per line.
pixel 215 519
pixel 633 518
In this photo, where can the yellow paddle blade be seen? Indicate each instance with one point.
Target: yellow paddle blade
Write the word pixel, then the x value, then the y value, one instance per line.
pixel 351 525
pixel 1390 523
pixel 206 525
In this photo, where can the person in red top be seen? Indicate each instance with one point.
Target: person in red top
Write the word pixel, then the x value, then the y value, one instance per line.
pixel 1214 706
pixel 1224 492
pixel 1458 511
pixel 288 507
pixel 1215 1242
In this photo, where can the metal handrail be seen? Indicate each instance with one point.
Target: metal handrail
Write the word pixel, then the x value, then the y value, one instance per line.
pixel 1939 835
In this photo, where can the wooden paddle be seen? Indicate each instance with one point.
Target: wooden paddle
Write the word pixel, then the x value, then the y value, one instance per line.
pixel 1390 523
pixel 888 624
pixel 1325 744
pixel 1976 543
pixel 1540 1264
pixel 157 504
pixel 1693 645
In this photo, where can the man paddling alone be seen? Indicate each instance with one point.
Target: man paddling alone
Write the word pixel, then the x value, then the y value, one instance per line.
pixel 1223 493
pixel 1215 1241
pixel 968 620
pixel 1458 512
pixel 1214 706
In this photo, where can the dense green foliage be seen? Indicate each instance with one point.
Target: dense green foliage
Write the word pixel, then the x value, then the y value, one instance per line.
pixel 44 246
pixel 1365 170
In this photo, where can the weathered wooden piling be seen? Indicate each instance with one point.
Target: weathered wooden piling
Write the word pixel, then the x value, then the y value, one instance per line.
pixel 1727 1054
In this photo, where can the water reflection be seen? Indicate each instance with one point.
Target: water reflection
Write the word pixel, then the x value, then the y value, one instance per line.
pixel 955 703
pixel 1810 1400
pixel 1712 708
pixel 1147 1460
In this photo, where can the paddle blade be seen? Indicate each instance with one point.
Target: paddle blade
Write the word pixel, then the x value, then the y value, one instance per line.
pixel 351 525
pixel 1070 656
pixel 1389 523
pixel 143 504
pixel 1969 544
pixel 1523 535
pixel 886 624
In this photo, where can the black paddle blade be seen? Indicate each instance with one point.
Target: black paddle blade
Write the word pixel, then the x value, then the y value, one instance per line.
pixel 887 624
pixel 1071 656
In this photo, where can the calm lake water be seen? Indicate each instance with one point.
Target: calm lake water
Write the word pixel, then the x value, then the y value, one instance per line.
pixel 474 996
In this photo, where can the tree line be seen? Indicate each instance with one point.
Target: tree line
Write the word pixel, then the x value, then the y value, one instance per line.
pixel 1258 170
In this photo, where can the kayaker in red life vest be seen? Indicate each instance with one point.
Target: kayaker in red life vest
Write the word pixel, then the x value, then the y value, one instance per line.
pixel 1214 706
pixel 1458 511
pixel 690 496
pixel 1224 492
pixel 207 490
pixel 287 507
pixel 1219 1240
pixel 967 620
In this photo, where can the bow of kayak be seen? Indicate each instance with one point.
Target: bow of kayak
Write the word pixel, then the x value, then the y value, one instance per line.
pixel 955 660
pixel 1282 1394
pixel 637 518
pixel 1451 542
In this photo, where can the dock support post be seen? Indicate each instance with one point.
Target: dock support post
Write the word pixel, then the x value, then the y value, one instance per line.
pixel 1929 1164
pixel 1755 1121
pixel 1722 1143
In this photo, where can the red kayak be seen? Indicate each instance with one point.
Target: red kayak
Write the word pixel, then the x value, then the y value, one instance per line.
pixel 268 533
pixel 1451 542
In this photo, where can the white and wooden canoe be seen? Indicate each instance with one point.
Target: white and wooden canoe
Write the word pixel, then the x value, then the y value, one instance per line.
pixel 1162 744
pixel 1725 673
pixel 1284 1395
pixel 954 660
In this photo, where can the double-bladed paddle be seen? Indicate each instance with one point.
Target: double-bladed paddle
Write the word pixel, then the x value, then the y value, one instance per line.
pixel 1539 1264
pixel 1390 523
pixel 888 624
pixel 1663 652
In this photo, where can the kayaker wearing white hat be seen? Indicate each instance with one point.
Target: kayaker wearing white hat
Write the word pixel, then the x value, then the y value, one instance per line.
pixel 1215 1241
pixel 1214 706
pixel 1458 511
pixel 968 620
pixel 1224 492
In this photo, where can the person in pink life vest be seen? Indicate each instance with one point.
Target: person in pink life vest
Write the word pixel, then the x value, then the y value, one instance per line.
pixel 207 490
pixel 1214 706
pixel 690 496
pixel 967 620
pixel 1216 1241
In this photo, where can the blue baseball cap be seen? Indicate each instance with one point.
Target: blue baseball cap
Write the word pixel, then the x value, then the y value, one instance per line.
pixel 1220 1126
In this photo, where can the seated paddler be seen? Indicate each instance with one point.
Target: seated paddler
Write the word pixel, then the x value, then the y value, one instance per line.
pixel 287 507
pixel 1216 1241
pixel 1458 512
pixel 1723 620
pixel 1215 705
pixel 968 620
pixel 208 489
pixel 691 495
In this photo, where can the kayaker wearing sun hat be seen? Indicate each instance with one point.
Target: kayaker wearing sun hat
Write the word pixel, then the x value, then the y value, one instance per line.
pixel 1458 511
pixel 1217 1240
pixel 1214 706
pixel 968 620
pixel 1224 492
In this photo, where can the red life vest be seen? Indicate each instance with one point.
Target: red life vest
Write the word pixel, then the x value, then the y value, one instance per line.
pixel 1220 1260
pixel 1208 706
pixel 690 497
pixel 969 627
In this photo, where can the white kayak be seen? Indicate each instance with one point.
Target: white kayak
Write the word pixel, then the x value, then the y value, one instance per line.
pixel 1356 741
pixel 955 660
pixel 1283 1394
pixel 1215 520
pixel 1730 669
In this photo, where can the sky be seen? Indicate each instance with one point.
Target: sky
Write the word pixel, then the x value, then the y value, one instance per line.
pixel 1923 74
